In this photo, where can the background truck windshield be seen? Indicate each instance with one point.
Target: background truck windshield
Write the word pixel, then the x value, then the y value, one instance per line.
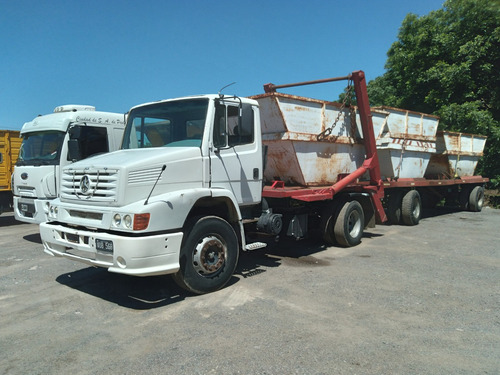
pixel 168 124
pixel 41 148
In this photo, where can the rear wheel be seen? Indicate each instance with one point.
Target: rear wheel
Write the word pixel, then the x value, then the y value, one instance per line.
pixel 349 224
pixel 209 255
pixel 476 199
pixel 411 208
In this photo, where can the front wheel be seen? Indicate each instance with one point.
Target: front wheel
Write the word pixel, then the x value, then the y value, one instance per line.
pixel 209 255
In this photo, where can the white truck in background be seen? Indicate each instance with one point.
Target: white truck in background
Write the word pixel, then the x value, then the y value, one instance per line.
pixel 53 141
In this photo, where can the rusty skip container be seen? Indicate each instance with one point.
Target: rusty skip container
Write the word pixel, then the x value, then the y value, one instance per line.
pixel 457 155
pixel 291 125
pixel 290 129
pixel 405 142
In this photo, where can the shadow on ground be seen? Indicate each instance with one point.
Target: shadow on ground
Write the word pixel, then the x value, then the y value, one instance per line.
pixel 7 220
pixel 139 293
pixel 35 238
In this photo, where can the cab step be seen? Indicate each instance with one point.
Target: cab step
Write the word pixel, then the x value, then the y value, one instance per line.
pixel 255 246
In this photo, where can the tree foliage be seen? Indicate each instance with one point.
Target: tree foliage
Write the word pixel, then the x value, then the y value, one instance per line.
pixel 447 63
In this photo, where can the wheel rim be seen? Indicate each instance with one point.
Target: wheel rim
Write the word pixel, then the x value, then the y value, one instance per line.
pixel 354 224
pixel 209 256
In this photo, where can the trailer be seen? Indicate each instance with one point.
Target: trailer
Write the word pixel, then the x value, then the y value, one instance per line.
pixel 9 151
pixel 200 178
pixel 417 165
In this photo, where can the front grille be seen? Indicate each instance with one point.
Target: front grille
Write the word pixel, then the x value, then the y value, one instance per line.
pixel 26 191
pixel 99 185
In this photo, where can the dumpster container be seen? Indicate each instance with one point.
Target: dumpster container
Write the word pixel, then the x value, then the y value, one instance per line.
pixel 290 128
pixel 457 155
pixel 405 143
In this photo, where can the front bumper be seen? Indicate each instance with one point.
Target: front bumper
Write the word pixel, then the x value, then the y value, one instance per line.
pixel 31 210
pixel 138 256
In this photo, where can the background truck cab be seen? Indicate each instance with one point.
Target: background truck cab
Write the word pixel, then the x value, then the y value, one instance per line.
pixel 50 142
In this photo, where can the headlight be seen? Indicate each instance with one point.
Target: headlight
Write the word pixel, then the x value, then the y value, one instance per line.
pixel 52 211
pixel 117 220
pixel 127 219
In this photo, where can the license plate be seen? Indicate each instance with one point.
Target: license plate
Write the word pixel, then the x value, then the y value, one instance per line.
pixel 104 245
pixel 26 208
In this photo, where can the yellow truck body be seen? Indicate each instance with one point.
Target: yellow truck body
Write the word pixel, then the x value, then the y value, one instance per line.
pixel 10 143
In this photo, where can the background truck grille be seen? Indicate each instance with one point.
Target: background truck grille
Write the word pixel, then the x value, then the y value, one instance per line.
pixel 99 185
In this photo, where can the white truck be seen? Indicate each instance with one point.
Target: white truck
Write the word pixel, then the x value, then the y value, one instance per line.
pixel 199 178
pixel 53 141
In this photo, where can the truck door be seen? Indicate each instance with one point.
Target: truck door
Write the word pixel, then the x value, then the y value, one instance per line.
pixel 236 156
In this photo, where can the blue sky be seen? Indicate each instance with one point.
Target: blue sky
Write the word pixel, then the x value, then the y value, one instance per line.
pixel 116 54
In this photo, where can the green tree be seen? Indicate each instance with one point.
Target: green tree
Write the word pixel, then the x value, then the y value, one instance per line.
pixel 448 63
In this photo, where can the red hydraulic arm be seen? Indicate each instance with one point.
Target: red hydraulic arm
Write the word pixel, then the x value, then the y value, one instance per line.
pixel 371 163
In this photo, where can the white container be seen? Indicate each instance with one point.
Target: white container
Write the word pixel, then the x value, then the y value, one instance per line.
pixel 290 126
pixel 457 155
pixel 295 154
pixel 405 142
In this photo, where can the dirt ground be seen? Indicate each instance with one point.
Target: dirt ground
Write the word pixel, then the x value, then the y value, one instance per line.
pixel 407 300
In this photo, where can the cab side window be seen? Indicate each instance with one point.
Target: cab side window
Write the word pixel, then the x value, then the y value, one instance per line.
pixel 228 130
pixel 92 140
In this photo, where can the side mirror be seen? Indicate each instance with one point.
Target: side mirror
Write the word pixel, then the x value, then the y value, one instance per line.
pixel 74 152
pixel 74 132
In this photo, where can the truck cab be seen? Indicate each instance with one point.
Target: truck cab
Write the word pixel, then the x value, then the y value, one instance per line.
pixel 53 141
pixel 172 200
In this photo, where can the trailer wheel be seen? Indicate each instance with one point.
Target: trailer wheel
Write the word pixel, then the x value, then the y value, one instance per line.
pixel 209 255
pixel 411 208
pixel 349 224
pixel 394 207
pixel 476 199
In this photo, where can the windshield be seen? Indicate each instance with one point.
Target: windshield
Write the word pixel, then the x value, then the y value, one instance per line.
pixel 168 124
pixel 41 148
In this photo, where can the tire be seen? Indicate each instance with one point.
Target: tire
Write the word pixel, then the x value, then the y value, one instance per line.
pixel 411 208
pixel 349 224
pixel 209 255
pixel 394 207
pixel 328 217
pixel 476 199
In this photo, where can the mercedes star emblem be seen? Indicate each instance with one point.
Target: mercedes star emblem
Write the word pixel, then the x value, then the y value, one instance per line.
pixel 85 184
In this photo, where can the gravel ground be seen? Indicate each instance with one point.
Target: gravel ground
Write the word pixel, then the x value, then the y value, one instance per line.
pixel 408 300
